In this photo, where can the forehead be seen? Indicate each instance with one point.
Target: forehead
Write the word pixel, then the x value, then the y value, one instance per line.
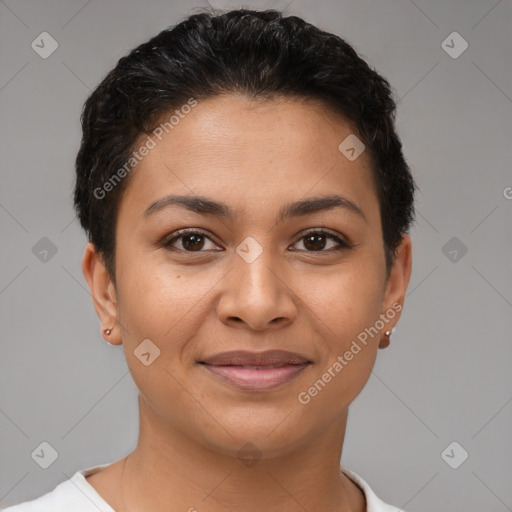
pixel 263 151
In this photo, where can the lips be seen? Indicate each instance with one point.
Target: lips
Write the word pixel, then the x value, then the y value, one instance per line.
pixel 256 371
pixel 244 358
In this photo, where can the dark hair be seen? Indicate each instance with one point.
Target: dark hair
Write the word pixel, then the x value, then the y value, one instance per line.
pixel 260 54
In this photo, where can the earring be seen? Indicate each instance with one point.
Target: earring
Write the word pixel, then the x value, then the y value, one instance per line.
pixel 385 340
pixel 107 331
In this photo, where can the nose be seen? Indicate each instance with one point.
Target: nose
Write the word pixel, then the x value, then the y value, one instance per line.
pixel 255 296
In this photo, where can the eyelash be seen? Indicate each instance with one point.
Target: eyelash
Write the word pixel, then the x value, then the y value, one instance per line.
pixel 316 231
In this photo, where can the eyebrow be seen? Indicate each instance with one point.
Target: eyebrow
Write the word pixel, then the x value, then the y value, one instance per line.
pixel 205 206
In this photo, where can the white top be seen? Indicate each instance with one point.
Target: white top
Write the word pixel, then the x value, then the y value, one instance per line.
pixel 77 495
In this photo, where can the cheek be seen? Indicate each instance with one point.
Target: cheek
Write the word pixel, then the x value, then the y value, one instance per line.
pixel 161 304
pixel 165 304
pixel 348 308
pixel 335 386
pixel 350 300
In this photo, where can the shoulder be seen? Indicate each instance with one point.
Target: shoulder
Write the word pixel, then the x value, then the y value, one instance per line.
pixel 72 495
pixel 373 502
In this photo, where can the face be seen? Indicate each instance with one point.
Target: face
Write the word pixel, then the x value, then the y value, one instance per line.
pixel 284 252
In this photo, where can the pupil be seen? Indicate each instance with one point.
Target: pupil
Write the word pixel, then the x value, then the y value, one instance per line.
pixel 315 242
pixel 193 242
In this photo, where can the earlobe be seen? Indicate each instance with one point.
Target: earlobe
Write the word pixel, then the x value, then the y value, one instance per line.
pixel 102 293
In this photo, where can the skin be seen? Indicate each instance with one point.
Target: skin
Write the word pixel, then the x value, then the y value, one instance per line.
pixel 255 156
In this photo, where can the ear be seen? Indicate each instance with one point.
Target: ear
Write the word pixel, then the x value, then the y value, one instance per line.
pixel 396 286
pixel 102 292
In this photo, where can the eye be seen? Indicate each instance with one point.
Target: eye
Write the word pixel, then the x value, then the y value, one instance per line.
pixel 194 240
pixel 317 241
pixel 190 240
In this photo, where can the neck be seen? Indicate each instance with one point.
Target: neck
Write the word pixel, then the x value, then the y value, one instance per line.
pixel 169 471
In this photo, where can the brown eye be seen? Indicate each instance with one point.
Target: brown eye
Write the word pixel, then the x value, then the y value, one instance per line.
pixel 314 242
pixel 322 241
pixel 193 242
pixel 190 241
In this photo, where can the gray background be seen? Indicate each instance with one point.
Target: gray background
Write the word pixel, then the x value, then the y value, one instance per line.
pixel 446 375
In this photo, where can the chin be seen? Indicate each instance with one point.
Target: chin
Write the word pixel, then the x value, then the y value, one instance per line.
pixel 269 432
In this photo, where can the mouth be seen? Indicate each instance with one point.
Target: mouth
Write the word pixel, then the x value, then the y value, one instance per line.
pixel 256 371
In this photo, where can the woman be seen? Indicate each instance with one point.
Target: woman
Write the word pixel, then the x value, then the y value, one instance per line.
pixel 247 205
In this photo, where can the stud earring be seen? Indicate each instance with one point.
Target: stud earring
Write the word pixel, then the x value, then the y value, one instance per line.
pixel 107 331
pixel 385 340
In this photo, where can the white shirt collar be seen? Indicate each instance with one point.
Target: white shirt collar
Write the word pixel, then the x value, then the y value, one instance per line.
pixel 78 495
